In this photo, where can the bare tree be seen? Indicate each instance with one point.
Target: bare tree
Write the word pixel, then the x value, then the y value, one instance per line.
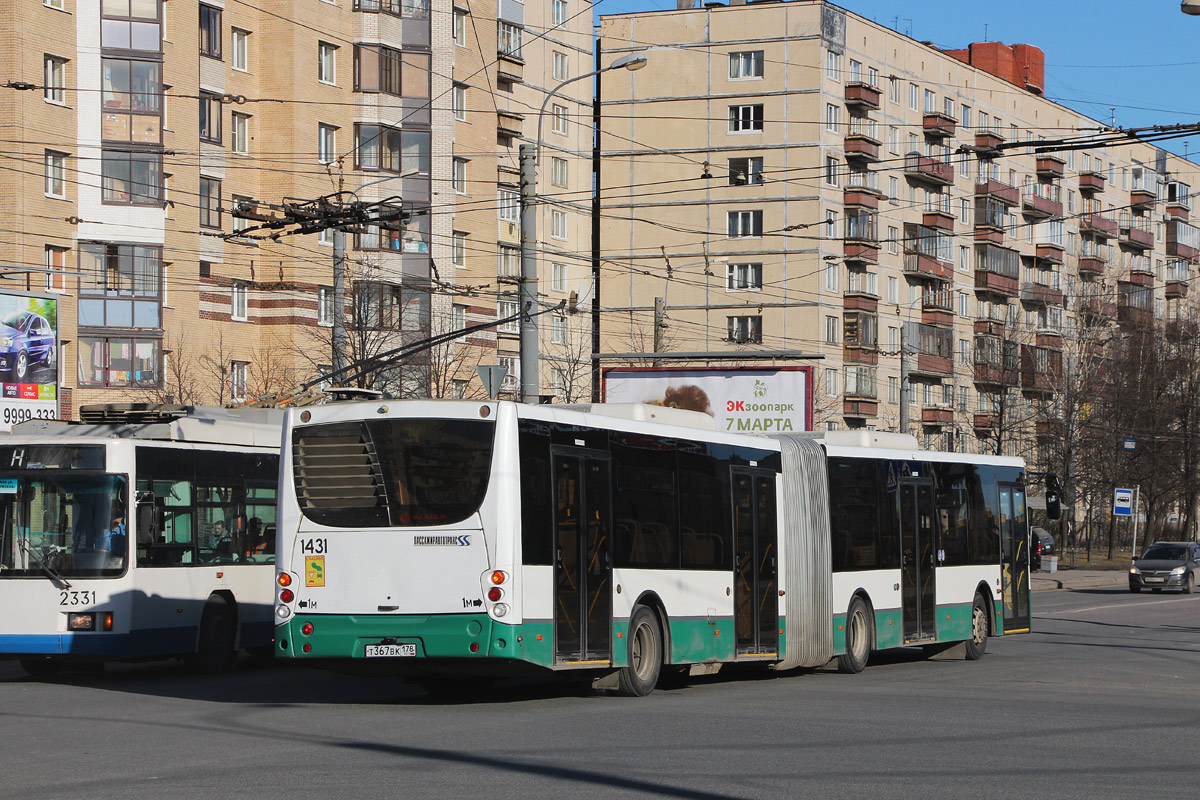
pixel 571 362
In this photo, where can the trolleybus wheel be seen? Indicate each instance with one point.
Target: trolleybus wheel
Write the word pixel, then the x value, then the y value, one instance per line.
pixel 977 644
pixel 214 649
pixel 645 655
pixel 40 667
pixel 858 638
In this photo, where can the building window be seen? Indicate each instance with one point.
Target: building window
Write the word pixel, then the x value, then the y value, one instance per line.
pixel 558 172
pixel 458 317
pixel 509 204
pixel 115 361
pixel 562 68
pixel 325 306
pixel 239 223
pixel 119 286
pixel 912 97
pixel 210 31
pixel 325 236
pixel 504 310
pixel 893 389
pixel 240 133
pixel 54 79
pixel 377 305
pixel 239 45
pixel 57 5
pixel 745 330
pixel 55 185
pixel 238 301
pixel 558 329
pixel 832 117
pixel 747 64
pixel 126 26
pixel 559 118
pixel 745 171
pixel 131 178
pixel 744 224
pixel 508 260
pixel 831 171
pixel 508 39
pixel 833 65
pixel 558 11
pixel 459 102
pixel 743 277
pixel 831 276
pixel 460 28
pixel 558 224
pixel 460 249
pixel 56 266
pixel 558 277
pixel 210 203
pixel 237 379
pixel 326 62
pixel 326 143
pixel 210 117
pixel 384 69
pixel 831 330
pixel 459 175
pixel 930 102
pixel 378 147
pixel 745 118
pixel 831 383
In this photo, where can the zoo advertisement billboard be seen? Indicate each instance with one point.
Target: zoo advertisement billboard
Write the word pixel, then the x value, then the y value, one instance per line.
pixel 28 358
pixel 760 400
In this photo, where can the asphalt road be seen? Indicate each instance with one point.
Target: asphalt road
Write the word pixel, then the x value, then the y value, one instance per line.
pixel 1102 701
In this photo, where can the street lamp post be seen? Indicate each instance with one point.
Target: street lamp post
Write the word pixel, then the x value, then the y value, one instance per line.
pixel 530 155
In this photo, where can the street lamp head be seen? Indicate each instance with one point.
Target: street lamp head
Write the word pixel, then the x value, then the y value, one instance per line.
pixel 1190 7
pixel 634 61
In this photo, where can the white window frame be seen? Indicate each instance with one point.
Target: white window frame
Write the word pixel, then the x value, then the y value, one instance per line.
pixel 559 169
pixel 239 49
pixel 327 63
pixel 833 118
pixel 561 66
pixel 558 329
pixel 508 206
pixel 325 314
pixel 833 65
pixel 742 118
pixel 459 175
pixel 460 28
pixel 739 222
pixel 55 174
pixel 558 12
pixel 239 133
pixel 506 308
pixel 458 248
pixel 746 65
pixel 744 277
pixel 238 371
pixel 458 100
pixel 560 116
pixel 558 277
pixel 458 316
pixel 326 143
pixel 239 302
pixel 57 273
pixel 558 224
pixel 54 75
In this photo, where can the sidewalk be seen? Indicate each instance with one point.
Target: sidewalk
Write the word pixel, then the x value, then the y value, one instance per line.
pixel 1078 579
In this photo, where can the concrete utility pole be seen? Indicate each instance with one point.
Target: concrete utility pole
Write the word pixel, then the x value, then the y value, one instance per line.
pixel 905 382
pixel 660 324
pixel 339 299
pixel 527 285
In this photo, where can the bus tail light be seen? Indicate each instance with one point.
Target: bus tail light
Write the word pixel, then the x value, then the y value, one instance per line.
pixel 106 621
pixel 287 595
pixel 284 579
pixel 498 577
pixel 500 609
pixel 306 629
pixel 495 593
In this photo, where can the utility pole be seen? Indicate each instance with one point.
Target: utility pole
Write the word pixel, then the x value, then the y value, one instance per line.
pixel 339 299
pixel 660 324
pixel 905 382
pixel 527 285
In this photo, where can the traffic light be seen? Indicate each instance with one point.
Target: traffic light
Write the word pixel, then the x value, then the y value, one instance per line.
pixel 1053 496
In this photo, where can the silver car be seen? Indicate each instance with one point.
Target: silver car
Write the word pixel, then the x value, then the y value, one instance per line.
pixel 1166 565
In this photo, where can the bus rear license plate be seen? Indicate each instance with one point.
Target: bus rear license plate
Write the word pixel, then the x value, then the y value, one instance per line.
pixel 391 650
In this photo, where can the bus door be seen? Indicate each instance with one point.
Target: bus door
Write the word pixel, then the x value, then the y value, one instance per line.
pixel 1014 549
pixel 582 560
pixel 918 554
pixel 755 570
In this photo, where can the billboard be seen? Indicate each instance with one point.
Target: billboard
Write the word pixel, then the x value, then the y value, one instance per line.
pixel 742 399
pixel 28 358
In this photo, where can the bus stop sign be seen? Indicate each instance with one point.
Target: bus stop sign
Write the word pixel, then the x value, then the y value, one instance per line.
pixel 1123 502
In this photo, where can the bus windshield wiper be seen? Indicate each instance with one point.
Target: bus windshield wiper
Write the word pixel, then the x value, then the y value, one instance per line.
pixel 54 574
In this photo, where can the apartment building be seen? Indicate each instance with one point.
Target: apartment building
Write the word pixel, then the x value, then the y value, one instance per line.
pixel 791 176
pixel 151 133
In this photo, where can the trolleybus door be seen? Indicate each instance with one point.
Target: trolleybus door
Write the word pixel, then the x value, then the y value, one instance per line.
pixel 756 596
pixel 917 558
pixel 582 564
pixel 1014 549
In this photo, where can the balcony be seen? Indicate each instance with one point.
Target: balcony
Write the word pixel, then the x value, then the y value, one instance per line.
pixel 1091 181
pixel 860 252
pixel 510 67
pixel 994 282
pixel 1041 200
pixel 862 182
pixel 862 95
pixel 1177 290
pixel 861 148
pixel 1136 233
pixel 1183 240
pixel 1039 368
pixel 1091 266
pixel 988 142
pixel 997 270
pixel 859 300
pixel 937 415
pixel 1049 166
pixel 939 125
pixel 860 408
pixel 1142 198
pixel 1038 294
pixel 1049 252
pixel 989 235
pixel 942 220
pixel 922 265
pixel 1009 195
pixel 1099 225
pixel 934 366
pixel 1177 211
pixel 1098 309
pixel 987 421
pixel 937 308
pixel 510 124
pixel 1140 273
pixel 1134 316
pixel 931 170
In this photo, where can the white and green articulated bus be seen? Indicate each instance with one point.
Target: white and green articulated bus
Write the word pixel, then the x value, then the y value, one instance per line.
pixel 145 532
pixel 443 539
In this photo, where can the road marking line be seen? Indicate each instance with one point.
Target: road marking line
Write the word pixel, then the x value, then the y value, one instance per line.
pixel 1122 605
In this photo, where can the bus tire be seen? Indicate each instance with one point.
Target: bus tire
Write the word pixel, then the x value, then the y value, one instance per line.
pixel 645 656
pixel 40 666
pixel 859 625
pixel 977 644
pixel 215 644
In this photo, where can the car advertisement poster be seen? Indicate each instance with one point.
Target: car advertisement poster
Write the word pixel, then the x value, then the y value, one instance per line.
pixel 760 400
pixel 28 358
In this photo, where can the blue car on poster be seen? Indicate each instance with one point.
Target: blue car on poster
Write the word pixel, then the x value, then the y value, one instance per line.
pixel 26 339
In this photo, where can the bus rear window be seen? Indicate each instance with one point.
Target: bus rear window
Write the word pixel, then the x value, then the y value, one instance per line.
pixel 392 473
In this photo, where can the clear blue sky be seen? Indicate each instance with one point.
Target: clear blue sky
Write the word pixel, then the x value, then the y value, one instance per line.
pixel 1140 58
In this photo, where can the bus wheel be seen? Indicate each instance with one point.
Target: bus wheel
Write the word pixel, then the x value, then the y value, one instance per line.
pixel 40 667
pixel 977 644
pixel 645 655
pixel 214 650
pixel 858 638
